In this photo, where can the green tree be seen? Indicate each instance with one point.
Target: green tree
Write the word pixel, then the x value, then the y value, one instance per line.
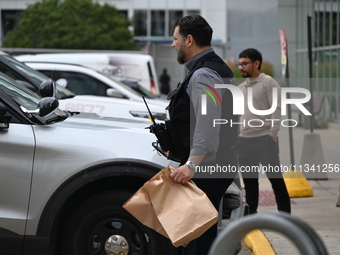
pixel 71 24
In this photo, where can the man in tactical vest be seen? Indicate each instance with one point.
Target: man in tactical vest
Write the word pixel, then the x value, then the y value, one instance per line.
pixel 195 105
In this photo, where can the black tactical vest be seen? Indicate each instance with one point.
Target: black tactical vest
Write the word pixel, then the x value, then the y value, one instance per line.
pixel 179 128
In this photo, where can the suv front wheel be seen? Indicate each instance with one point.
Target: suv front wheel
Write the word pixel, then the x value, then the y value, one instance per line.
pixel 100 226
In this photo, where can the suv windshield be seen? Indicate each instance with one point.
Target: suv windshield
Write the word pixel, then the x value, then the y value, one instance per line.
pixel 39 77
pixel 20 94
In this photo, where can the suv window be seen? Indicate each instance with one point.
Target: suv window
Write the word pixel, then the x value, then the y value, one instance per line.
pixel 81 84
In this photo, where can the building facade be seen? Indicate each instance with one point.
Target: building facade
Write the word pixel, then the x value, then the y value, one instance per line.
pixel 238 24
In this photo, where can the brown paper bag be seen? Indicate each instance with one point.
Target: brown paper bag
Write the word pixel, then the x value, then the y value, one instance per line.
pixel 179 212
pixel 139 205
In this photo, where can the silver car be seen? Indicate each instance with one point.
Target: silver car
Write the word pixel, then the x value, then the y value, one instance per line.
pixel 64 179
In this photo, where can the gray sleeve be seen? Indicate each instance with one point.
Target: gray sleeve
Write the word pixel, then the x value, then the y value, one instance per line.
pixel 206 136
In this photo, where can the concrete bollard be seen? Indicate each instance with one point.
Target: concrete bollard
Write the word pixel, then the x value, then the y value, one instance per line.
pixel 312 155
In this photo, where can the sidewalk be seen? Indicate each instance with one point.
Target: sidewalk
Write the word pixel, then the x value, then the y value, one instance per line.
pixel 320 210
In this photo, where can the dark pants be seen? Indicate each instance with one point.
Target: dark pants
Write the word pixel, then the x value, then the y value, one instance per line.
pixel 215 189
pixel 253 152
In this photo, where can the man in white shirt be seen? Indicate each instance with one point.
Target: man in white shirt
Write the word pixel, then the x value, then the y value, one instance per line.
pixel 258 138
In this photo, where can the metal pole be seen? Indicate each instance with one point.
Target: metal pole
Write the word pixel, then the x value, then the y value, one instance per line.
pixel 309 31
pixel 285 75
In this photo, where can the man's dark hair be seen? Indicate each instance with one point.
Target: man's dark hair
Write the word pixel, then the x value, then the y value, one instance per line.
pixel 196 26
pixel 252 54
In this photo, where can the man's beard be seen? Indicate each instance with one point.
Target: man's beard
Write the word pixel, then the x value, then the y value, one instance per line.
pixel 181 55
pixel 245 74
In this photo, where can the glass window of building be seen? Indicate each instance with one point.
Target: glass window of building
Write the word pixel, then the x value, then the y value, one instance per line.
pixel 173 17
pixel 326 18
pixel 9 19
pixel 140 22
pixel 157 23
pixel 189 12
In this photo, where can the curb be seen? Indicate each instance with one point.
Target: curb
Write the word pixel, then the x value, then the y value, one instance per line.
pixel 258 243
pixel 297 185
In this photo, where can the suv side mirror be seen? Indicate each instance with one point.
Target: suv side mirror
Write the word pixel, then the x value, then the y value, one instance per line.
pixel 114 93
pixel 47 88
pixel 45 106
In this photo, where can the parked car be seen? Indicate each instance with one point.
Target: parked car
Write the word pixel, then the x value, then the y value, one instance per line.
pixel 85 81
pixel 72 102
pixel 134 65
pixel 65 176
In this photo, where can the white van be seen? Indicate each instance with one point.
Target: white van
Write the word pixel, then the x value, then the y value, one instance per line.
pixel 134 65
